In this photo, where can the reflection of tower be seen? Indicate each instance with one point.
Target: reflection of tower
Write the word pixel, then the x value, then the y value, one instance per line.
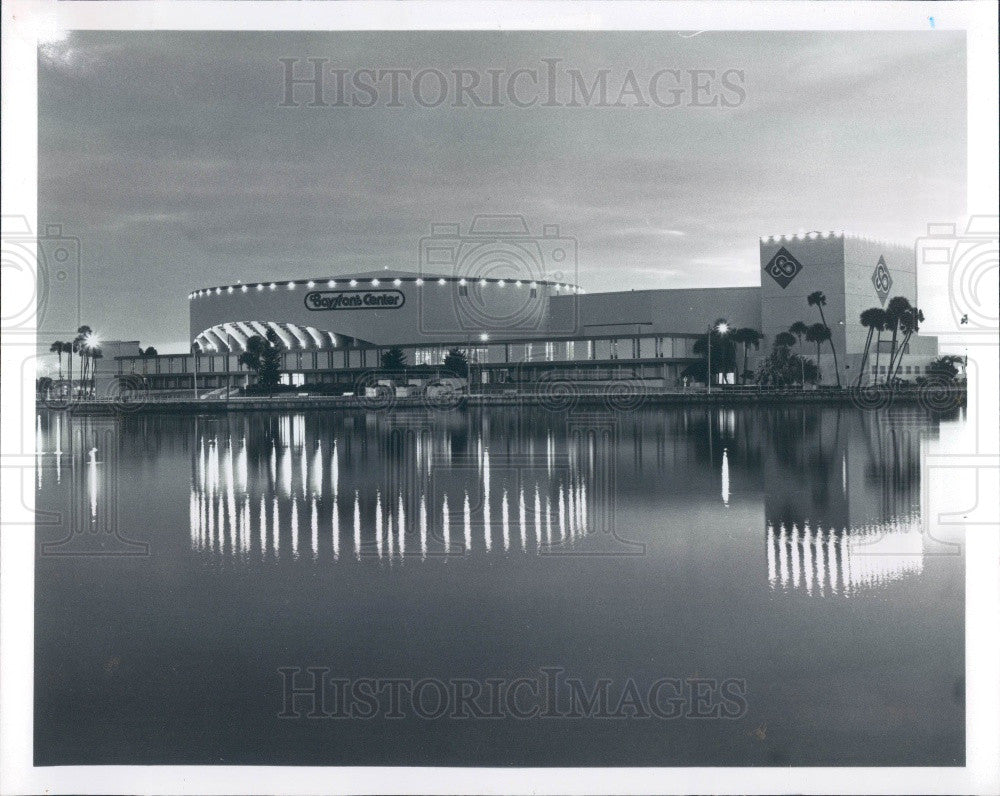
pixel 829 562
pixel 841 468
pixel 842 497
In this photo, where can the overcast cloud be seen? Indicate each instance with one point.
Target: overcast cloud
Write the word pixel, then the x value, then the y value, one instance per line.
pixel 170 157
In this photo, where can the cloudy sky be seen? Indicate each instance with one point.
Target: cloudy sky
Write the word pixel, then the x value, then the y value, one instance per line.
pixel 170 156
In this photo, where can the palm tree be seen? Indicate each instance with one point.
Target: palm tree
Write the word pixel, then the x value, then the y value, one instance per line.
pixel 945 366
pixel 393 359
pixel 784 340
pixel 909 324
pixel 82 335
pixel 897 307
pixel 57 348
pixel 95 354
pixel 457 363
pixel 818 299
pixel 68 348
pixel 76 347
pixel 800 330
pixel 871 319
pixel 818 333
pixel 747 337
pixel 263 355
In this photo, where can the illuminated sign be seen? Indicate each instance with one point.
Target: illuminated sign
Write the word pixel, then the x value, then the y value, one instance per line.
pixel 320 300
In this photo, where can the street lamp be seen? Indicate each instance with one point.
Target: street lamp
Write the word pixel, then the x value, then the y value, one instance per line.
pixel 195 350
pixel 721 327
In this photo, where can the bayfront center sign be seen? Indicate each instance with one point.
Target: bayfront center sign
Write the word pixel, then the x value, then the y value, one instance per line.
pixel 318 300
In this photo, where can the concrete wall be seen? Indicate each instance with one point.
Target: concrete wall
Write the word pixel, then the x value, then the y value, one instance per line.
pixel 106 368
pixel 861 259
pixel 681 311
pixel 818 265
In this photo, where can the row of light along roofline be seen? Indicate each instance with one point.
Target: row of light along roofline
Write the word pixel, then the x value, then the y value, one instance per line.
pixel 814 235
pixel 332 283
pixel 802 236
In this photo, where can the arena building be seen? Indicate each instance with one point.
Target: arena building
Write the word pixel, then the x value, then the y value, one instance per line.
pixel 512 304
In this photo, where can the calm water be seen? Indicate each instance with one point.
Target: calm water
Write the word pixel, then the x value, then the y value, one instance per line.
pixel 191 558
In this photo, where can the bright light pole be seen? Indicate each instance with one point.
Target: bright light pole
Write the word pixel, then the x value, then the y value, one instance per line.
pixel 473 350
pixel 195 349
pixel 722 327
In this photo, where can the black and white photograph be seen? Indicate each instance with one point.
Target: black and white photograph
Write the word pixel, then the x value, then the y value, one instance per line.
pixel 501 398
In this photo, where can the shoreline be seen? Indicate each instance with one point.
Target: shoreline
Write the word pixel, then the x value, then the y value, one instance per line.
pixel 935 397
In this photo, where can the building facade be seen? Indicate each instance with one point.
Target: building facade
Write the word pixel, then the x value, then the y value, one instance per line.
pixel 516 325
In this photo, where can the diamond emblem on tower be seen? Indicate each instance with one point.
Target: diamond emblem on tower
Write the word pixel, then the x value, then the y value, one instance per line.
pixel 783 268
pixel 882 280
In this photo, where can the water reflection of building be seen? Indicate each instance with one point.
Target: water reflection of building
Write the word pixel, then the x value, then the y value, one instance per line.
pixel 842 498
pixel 387 490
pixel 829 562
pixel 837 490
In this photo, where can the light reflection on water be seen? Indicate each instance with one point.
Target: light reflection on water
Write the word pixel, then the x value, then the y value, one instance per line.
pixel 838 488
pixel 231 491
pixel 783 546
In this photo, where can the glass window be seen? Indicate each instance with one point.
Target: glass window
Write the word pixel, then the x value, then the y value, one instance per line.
pixel 647 347
pixel 602 349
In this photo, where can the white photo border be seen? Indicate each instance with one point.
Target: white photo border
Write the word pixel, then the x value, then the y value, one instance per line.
pixel 25 20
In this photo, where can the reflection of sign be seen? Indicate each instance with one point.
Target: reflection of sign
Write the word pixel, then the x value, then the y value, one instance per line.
pixel 882 280
pixel 354 300
pixel 783 268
